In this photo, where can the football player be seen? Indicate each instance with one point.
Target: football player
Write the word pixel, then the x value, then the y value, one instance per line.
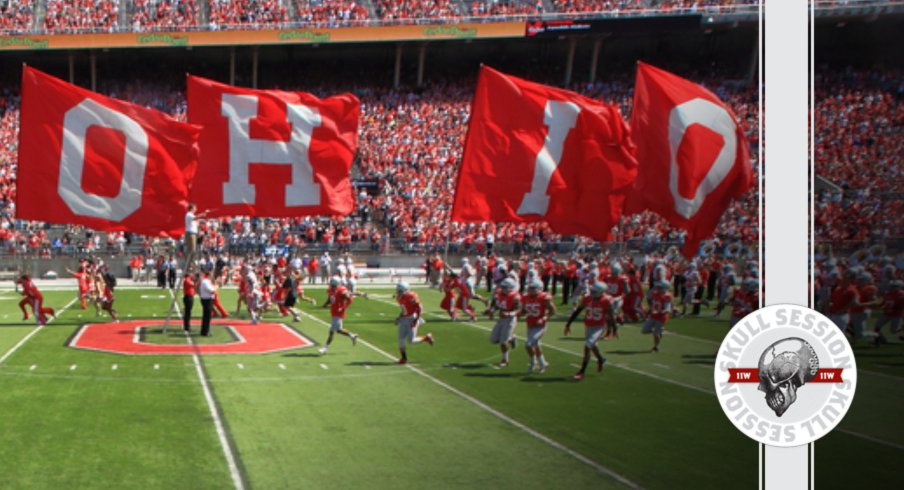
pixel 409 320
pixel 537 308
pixel 658 316
pixel 598 313
pixel 338 299
pixel 508 303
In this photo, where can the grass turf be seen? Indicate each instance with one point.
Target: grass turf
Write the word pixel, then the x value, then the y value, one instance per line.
pixel 352 418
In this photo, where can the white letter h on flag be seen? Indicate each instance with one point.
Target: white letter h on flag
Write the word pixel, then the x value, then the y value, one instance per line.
pixel 243 151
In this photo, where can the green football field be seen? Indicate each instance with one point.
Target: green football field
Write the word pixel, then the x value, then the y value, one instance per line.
pixel 75 418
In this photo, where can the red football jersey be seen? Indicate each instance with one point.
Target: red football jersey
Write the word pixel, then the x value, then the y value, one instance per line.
pixel 842 299
pixel 661 306
pixel 410 303
pixel 535 309
pixel 507 302
pixel 595 310
pixel 894 303
pixel 867 294
pixel 339 301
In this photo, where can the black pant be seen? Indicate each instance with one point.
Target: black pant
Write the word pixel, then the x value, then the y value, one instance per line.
pixel 546 279
pixel 206 307
pixel 711 285
pixel 699 298
pixel 188 302
pixel 171 278
pixel 490 281
pixel 161 279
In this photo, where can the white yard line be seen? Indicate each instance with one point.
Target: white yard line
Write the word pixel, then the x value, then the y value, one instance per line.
pixel 505 418
pixel 871 439
pixel 228 450
pixel 35 331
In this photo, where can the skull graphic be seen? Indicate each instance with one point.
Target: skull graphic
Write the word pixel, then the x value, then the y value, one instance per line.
pixel 784 367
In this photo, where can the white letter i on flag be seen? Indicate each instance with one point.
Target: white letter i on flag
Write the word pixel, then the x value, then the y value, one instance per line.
pixel 560 118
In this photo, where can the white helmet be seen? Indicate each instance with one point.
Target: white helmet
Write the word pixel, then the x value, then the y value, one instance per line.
pixel 534 286
pixel 507 285
pixel 464 260
pixel 402 287
pixel 598 289
pixel 335 281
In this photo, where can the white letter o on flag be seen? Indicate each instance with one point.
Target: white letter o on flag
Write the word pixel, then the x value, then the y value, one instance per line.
pixel 72 162
pixel 715 118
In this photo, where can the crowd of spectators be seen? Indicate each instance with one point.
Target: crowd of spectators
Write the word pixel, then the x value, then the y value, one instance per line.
pixel 163 15
pixel 74 16
pixel 245 14
pixel 400 10
pixel 16 17
pixel 330 12
pixel 859 150
pixel 506 7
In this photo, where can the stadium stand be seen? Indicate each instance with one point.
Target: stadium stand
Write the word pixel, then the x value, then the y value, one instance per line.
pixel 163 15
pixel 245 14
pixel 415 9
pixel 73 16
pixel 859 144
pixel 330 12
pixel 16 17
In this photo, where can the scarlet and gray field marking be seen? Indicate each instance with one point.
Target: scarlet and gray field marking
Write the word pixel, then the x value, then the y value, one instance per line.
pixel 35 331
pixel 505 418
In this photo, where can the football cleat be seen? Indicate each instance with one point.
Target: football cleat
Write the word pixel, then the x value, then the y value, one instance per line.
pixel 402 361
pixel 578 376
pixel 503 363
pixel 354 338
pixel 599 365
pixel 543 367
pixel 429 339
pixel 322 350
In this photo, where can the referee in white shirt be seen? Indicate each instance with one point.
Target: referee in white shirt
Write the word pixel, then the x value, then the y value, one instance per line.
pixel 206 291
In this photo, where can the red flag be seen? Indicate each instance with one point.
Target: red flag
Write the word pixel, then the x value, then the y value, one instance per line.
pixel 694 156
pixel 100 162
pixel 272 153
pixel 538 153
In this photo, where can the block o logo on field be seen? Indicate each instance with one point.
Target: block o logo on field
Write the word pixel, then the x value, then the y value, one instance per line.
pixel 785 375
pixel 129 338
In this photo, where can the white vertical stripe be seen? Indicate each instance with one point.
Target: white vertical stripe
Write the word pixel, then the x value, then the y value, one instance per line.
pixel 787 191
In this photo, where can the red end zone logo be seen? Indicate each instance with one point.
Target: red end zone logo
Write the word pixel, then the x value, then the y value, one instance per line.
pixel 128 338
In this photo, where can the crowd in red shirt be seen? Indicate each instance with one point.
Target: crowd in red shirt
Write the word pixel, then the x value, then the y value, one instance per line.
pixel 244 14
pixel 330 12
pixel 16 17
pixel 71 16
pixel 163 15
pixel 859 147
